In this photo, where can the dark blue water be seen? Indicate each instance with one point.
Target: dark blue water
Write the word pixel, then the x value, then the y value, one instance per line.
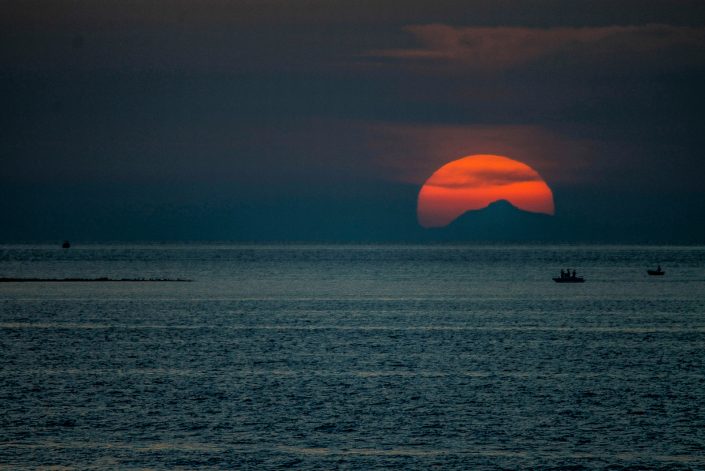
pixel 356 357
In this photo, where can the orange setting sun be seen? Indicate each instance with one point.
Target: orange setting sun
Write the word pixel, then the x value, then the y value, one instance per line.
pixel 474 182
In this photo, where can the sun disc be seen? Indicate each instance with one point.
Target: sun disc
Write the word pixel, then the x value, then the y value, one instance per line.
pixel 473 182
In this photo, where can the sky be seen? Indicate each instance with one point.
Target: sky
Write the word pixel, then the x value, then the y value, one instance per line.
pixel 303 120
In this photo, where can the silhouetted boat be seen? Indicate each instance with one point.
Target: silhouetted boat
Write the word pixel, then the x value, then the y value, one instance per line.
pixel 657 272
pixel 572 279
pixel 567 277
pixel 66 244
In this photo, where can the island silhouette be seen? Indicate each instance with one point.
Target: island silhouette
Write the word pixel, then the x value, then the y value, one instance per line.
pixel 501 221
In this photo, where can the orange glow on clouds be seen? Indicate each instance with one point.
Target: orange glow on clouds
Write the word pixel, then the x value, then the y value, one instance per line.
pixel 473 182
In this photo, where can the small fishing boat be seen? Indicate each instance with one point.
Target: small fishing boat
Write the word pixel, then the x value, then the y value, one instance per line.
pixel 657 272
pixel 66 244
pixel 568 277
pixel 572 279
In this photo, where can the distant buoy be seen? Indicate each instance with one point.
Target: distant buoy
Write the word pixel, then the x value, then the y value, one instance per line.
pixel 66 244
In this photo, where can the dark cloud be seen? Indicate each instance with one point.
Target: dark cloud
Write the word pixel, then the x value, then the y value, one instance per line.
pixel 498 48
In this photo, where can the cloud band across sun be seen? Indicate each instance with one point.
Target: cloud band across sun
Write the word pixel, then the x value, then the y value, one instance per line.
pixel 473 182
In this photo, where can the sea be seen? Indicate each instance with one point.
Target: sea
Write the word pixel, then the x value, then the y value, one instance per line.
pixel 352 357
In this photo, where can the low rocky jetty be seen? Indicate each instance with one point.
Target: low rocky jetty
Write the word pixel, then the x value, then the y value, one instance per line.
pixel 63 280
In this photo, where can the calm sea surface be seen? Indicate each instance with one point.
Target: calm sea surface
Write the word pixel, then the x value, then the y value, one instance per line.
pixel 357 357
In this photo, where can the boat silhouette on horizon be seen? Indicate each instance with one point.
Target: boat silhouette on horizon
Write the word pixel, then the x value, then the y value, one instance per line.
pixel 568 277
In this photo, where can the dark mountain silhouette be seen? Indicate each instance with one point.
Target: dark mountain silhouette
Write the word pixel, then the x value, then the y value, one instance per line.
pixel 500 221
